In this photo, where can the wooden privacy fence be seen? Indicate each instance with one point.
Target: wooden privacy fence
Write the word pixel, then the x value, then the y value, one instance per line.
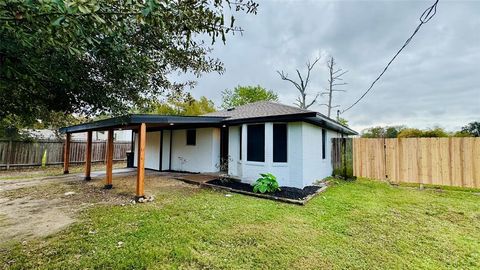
pixel 436 161
pixel 18 153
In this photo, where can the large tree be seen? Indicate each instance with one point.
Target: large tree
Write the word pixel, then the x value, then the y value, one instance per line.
pixel 87 56
pixel 242 95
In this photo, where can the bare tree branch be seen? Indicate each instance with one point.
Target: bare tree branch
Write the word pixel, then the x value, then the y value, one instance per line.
pixel 302 85
pixel 335 76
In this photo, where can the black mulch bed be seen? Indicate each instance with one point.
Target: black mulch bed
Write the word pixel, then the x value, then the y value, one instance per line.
pixel 285 192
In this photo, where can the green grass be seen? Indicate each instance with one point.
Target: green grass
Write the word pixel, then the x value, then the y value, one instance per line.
pixel 361 225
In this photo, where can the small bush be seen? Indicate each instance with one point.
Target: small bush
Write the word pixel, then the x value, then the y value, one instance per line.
pixel 266 184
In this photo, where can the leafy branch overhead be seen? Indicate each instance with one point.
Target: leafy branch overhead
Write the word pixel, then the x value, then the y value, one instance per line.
pixel 302 85
pixel 105 56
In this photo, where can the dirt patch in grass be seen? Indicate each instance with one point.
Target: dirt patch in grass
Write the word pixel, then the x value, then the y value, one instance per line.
pixel 33 208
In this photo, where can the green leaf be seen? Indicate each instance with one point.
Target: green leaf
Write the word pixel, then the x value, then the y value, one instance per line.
pixel 83 9
pixel 146 11
pixel 58 21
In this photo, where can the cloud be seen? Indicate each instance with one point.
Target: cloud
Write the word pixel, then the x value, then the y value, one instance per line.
pixel 435 81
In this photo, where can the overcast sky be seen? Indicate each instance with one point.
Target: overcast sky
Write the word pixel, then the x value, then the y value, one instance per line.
pixel 435 81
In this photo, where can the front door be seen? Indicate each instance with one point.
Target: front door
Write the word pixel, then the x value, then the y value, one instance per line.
pixel 224 149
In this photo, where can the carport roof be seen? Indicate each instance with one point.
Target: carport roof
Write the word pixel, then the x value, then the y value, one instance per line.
pixel 131 121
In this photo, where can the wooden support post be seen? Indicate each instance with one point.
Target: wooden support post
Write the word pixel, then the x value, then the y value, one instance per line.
pixel 66 153
pixel 141 161
pixel 109 161
pixel 88 157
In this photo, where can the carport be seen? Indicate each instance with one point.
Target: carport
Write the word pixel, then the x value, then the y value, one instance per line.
pixel 139 123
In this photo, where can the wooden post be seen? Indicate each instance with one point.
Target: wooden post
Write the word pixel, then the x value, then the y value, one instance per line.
pixel 109 161
pixel 141 161
pixel 66 153
pixel 88 157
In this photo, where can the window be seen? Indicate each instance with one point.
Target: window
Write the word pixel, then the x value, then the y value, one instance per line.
pixel 279 143
pixel 324 142
pixel 191 136
pixel 256 143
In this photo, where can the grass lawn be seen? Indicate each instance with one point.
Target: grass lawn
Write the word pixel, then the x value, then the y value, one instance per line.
pixel 361 225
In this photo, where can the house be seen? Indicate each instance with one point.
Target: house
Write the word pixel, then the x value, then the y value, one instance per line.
pixel 291 143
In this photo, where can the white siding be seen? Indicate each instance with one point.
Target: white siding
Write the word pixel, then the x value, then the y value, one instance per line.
pixel 152 150
pixel 304 163
pixel 204 156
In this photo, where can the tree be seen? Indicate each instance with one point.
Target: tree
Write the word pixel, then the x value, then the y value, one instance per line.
pixel 418 133
pixel 186 107
pixel 87 57
pixel 382 132
pixel 342 121
pixel 242 95
pixel 335 76
pixel 302 85
pixel 472 128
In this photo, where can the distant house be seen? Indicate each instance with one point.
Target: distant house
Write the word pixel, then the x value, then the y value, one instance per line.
pixel 291 143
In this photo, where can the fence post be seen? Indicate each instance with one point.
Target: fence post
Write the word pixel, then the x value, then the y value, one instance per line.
pixel 9 153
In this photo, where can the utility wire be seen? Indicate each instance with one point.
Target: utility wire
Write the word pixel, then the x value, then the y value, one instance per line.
pixel 426 16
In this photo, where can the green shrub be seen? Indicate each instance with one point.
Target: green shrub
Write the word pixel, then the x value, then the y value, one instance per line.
pixel 267 183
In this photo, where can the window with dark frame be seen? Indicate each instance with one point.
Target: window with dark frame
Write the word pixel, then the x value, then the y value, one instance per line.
pixel 324 142
pixel 191 136
pixel 256 142
pixel 279 142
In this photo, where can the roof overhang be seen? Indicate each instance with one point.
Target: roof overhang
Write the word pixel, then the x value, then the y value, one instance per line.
pixel 330 124
pixel 132 121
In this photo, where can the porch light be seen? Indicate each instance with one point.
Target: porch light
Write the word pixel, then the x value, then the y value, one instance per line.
pixel 171 124
pixel 224 126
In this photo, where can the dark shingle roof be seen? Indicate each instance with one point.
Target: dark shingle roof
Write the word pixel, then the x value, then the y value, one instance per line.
pixel 258 109
pixel 272 110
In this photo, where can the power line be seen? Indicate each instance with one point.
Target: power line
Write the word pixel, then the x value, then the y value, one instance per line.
pixel 424 18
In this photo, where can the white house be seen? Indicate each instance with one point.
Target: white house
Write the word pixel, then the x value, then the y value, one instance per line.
pixel 261 137
pixel 291 143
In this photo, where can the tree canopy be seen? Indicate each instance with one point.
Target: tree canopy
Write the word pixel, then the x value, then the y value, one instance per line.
pixel 187 107
pixel 242 95
pixel 472 129
pixel 87 57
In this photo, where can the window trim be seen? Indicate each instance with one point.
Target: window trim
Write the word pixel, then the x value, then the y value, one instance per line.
pixel 286 143
pixel 264 144
pixel 194 137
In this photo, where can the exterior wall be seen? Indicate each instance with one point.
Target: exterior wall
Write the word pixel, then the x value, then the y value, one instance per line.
pixel 314 166
pixel 204 156
pixel 304 163
pixel 152 150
